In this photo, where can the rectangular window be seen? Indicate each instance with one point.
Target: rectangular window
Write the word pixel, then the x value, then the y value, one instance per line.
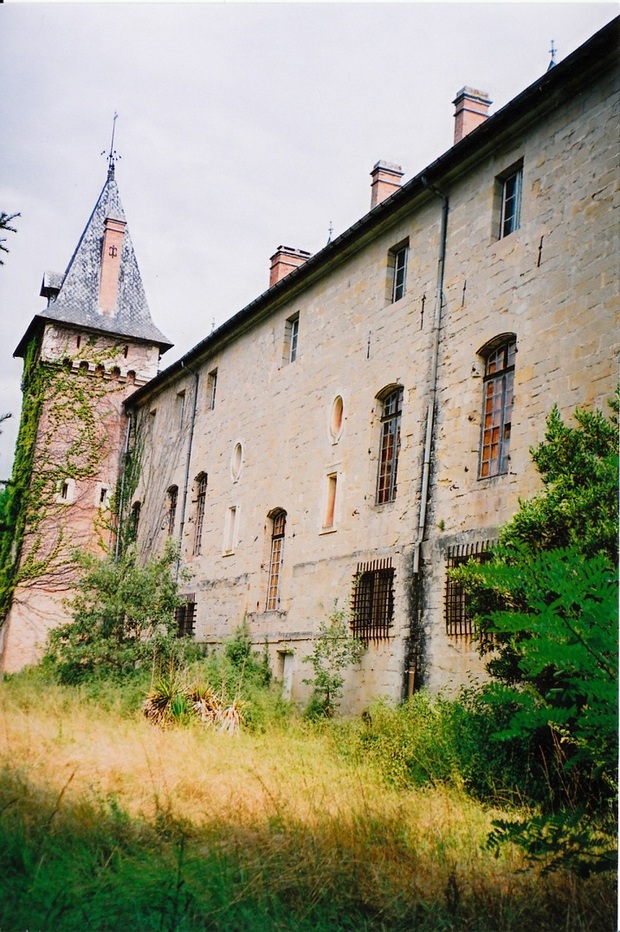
pixel 497 410
pixel 180 408
pixel 173 494
pixel 372 602
pixel 200 512
pixel 458 622
pixel 330 503
pixel 391 408
pixel 397 265
pixel 230 530
pixel 511 185
pixel 211 388
pixel 185 617
pixel 291 339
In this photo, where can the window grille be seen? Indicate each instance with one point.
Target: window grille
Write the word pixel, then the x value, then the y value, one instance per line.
pixel 185 617
pixel 458 622
pixel 497 410
pixel 372 603
pixel 275 560
pixel 200 511
pixel 389 446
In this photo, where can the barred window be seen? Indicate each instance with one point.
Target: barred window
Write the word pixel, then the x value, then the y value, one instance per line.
pixel 278 527
pixel 497 409
pixel 458 622
pixel 201 497
pixel 185 617
pixel 372 602
pixel 389 446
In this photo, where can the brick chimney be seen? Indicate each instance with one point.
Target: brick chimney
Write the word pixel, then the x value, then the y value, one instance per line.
pixel 113 233
pixel 386 178
pixel 471 108
pixel 284 260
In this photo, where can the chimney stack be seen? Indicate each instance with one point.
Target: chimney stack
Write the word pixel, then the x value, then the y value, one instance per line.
pixel 113 233
pixel 285 260
pixel 386 179
pixel 471 109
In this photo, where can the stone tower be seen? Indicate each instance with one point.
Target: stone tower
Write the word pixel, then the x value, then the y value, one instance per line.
pixel 94 343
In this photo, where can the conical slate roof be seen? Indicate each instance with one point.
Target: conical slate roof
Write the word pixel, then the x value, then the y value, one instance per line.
pixel 77 298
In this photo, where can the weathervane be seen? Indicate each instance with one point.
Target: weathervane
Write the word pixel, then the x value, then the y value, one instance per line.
pixel 112 156
pixel 552 52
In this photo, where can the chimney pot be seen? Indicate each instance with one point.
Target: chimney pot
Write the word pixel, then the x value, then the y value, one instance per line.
pixel 386 179
pixel 471 109
pixel 284 260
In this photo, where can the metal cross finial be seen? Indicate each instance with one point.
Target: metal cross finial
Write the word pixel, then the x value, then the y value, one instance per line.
pixel 112 156
pixel 552 52
pixel 330 231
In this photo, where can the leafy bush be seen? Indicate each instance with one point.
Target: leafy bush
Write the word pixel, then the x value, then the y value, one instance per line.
pixel 549 600
pixel 122 619
pixel 333 650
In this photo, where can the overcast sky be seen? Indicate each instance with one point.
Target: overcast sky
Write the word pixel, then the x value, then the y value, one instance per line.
pixel 241 127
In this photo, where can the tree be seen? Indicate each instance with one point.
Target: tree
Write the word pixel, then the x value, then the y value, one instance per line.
pixel 5 221
pixel 334 649
pixel 123 617
pixel 546 609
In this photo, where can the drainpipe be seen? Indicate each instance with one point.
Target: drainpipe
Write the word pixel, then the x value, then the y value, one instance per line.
pixel 189 457
pixel 430 411
pixel 117 545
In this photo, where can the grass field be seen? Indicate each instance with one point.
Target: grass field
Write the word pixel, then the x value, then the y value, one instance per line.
pixel 108 822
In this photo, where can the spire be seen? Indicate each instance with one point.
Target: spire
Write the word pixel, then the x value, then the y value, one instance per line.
pixel 552 52
pixel 112 156
pixel 102 288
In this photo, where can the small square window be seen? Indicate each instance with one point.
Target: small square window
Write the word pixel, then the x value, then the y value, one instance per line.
pixel 185 617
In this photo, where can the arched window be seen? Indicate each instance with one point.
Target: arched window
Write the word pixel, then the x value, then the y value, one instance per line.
pixel 278 527
pixel 389 444
pixel 499 358
pixel 201 497
pixel 134 520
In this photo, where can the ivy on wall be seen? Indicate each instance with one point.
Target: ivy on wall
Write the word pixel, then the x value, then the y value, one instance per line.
pixel 65 434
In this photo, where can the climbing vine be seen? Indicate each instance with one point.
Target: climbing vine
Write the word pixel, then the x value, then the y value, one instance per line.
pixel 68 429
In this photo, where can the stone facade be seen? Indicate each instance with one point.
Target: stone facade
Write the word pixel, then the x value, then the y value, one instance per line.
pixel 347 434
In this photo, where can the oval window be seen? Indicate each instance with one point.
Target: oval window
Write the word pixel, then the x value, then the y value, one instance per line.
pixel 335 427
pixel 236 462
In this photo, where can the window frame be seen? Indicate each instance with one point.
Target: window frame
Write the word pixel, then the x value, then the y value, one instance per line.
pixel 372 600
pixel 510 220
pixel 497 407
pixel 201 499
pixel 185 617
pixel 211 389
pixel 276 557
pixel 389 444
pixel 173 499
pixel 457 622
pixel 398 261
pixel 291 339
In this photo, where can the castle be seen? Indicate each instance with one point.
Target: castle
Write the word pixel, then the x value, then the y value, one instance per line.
pixel 362 425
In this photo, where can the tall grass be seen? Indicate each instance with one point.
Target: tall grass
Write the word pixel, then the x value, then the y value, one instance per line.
pixel 107 822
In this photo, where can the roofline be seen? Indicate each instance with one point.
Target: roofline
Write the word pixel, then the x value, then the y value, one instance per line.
pixel 544 94
pixel 41 319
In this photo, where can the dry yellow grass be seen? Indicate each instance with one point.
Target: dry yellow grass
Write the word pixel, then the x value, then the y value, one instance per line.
pixel 283 804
